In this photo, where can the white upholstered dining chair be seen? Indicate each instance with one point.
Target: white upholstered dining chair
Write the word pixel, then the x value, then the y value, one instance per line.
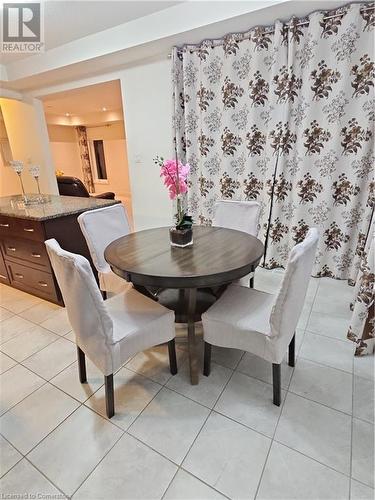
pixel 242 216
pixel 100 227
pixel 259 322
pixel 108 332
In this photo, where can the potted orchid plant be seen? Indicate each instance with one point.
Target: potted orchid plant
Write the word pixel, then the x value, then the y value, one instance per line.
pixel 174 174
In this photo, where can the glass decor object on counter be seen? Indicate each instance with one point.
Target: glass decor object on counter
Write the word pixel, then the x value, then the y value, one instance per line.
pixel 30 198
pixel 35 171
pixel 39 198
pixel 175 179
pixel 17 166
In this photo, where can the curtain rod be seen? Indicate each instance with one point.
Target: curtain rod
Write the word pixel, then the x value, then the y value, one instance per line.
pixel 288 26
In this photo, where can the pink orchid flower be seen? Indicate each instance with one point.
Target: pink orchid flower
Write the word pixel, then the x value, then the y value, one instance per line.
pixel 175 177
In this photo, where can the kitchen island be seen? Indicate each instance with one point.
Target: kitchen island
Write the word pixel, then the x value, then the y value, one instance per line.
pixel 24 263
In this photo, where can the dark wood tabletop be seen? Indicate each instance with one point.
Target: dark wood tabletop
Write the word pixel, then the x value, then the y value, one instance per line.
pixel 217 256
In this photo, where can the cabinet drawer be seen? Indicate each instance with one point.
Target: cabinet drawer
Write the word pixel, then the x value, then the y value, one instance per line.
pixel 23 228
pixel 7 225
pixel 26 250
pixel 32 280
pixel 30 229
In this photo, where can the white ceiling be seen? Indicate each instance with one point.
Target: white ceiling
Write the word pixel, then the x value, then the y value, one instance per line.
pixel 85 100
pixel 65 21
pixel 86 39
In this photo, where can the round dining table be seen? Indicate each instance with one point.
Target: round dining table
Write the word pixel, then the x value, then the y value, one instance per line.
pixel 187 280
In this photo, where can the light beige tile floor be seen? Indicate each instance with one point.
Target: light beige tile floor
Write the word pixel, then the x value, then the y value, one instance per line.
pixel 221 439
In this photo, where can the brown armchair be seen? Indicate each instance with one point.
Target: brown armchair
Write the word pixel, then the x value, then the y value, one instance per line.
pixel 72 186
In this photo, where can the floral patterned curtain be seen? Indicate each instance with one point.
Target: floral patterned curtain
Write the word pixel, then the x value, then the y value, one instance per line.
pixel 285 115
pixel 362 327
pixel 85 159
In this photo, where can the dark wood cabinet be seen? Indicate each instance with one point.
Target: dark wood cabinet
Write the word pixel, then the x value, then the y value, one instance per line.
pixel 24 262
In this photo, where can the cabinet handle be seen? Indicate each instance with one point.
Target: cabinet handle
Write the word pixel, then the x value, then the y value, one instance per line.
pixel 4 225
pixel 12 249
pixel 43 283
pixel 36 255
pixel 28 229
pixel 18 275
pixel 3 277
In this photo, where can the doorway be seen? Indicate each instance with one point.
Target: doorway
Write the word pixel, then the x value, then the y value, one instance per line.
pixel 97 108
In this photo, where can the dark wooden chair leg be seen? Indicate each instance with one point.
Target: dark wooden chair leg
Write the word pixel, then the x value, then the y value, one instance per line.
pixel 207 359
pixel 251 282
pixel 109 396
pixel 81 366
pixel 276 379
pixel 172 356
pixel 292 350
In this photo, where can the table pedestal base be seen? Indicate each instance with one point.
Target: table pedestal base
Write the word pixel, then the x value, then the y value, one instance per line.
pixel 176 300
pixel 188 304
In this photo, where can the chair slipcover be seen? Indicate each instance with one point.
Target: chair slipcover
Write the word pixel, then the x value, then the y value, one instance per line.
pixel 258 322
pixel 100 227
pixel 241 216
pixel 108 332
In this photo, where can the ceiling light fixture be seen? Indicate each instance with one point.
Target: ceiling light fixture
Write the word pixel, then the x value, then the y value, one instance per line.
pixel 104 109
pixel 67 114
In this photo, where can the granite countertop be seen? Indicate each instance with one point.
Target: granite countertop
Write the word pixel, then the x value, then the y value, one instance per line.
pixel 57 206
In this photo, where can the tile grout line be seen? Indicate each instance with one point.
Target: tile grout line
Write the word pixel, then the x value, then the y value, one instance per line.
pixel 24 457
pixel 16 362
pixel 313 459
pixel 100 461
pixel 32 392
pixel 53 430
pixel 62 390
pixel 47 478
pixel 344 340
pixel 351 435
pixel 34 353
pixel 204 482
pixel 287 390
pixel 35 305
pixel 123 433
pixel 267 436
pixel 322 364
pixel 274 432
pixel 34 325
pixel 17 450
pixel 200 430
pixel 312 305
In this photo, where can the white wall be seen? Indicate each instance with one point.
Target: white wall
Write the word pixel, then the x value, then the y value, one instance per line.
pixel 147 104
pixel 28 138
pixel 65 151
